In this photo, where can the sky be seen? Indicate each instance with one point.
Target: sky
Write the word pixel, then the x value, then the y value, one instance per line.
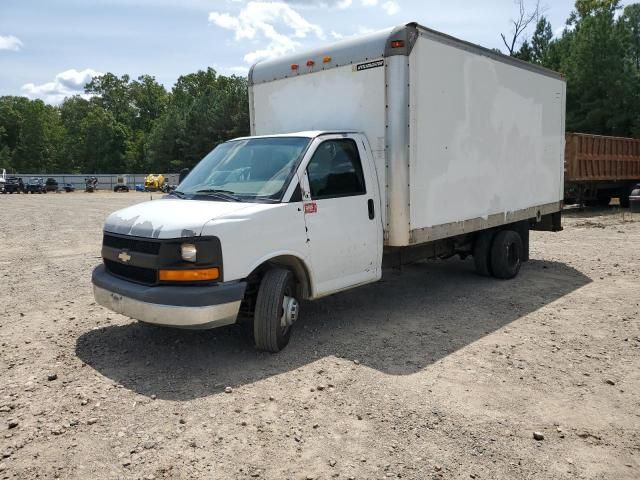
pixel 50 48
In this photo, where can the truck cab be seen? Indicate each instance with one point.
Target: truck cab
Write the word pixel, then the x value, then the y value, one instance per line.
pixel 249 232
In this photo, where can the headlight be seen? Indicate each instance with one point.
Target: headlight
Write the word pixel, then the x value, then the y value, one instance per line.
pixel 189 252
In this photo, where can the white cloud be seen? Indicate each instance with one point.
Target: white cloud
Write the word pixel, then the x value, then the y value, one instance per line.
pixel 67 83
pixel 369 3
pixel 391 7
pixel 10 42
pixel 341 4
pixel 241 70
pixel 274 22
pixel 362 30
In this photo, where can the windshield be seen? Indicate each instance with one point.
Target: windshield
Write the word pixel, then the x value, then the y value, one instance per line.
pixel 250 169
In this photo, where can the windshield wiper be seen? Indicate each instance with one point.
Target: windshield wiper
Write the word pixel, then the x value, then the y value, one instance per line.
pixel 226 194
pixel 177 193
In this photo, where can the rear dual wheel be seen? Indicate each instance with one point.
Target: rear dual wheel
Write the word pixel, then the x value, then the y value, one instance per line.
pixel 498 254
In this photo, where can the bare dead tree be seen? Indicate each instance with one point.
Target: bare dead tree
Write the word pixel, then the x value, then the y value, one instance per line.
pixel 520 24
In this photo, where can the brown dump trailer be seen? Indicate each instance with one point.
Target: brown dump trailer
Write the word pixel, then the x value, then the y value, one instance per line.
pixel 598 168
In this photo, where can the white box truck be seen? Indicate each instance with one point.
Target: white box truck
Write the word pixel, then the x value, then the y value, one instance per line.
pixel 410 144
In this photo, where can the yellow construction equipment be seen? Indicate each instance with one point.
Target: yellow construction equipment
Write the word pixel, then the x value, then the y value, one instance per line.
pixel 154 183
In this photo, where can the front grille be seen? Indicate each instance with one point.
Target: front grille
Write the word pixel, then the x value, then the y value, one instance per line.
pixel 136 274
pixel 132 244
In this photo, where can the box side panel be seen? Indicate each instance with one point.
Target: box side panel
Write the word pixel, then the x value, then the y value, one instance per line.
pixel 487 138
pixel 344 98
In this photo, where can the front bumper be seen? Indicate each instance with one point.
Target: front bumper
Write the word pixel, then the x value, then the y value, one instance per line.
pixel 168 305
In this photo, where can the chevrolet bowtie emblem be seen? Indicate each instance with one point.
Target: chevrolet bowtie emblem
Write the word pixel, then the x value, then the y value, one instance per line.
pixel 124 257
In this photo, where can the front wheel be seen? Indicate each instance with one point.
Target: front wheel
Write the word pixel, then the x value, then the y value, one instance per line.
pixel 276 310
pixel 507 252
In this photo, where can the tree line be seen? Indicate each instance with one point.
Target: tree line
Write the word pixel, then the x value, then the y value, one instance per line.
pixel 125 125
pixel 138 126
pixel 598 52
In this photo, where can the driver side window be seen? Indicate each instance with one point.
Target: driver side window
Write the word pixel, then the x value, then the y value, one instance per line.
pixel 335 170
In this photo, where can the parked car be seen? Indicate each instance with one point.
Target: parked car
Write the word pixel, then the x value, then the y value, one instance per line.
pixel 121 184
pixel 51 185
pixel 433 147
pixel 68 187
pixel 36 185
pixel 13 184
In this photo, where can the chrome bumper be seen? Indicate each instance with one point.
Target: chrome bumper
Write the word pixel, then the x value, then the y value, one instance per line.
pixel 192 307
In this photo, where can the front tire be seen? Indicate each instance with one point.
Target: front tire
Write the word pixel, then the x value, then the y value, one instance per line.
pixel 271 322
pixel 506 254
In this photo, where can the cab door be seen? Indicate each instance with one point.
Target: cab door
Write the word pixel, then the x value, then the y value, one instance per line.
pixel 342 217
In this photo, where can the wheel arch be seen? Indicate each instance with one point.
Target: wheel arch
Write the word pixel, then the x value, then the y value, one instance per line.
pixel 292 262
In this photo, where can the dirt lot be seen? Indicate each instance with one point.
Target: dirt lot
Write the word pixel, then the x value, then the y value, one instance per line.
pixel 432 373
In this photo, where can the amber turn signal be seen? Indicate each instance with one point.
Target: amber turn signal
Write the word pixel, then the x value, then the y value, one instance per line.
pixel 196 275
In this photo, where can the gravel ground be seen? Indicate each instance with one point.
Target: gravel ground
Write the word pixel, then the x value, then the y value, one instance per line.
pixel 432 373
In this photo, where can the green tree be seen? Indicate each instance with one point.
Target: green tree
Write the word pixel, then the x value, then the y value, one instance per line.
pixel 541 40
pixel 38 137
pixel 204 110
pixel 149 99
pixel 599 83
pixel 113 94
pixel 73 111
pixel 104 141
pixel 525 53
pixel 630 25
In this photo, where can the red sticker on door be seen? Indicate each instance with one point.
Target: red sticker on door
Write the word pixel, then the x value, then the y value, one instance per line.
pixel 311 207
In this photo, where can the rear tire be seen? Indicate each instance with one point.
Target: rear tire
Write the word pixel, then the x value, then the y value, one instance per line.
pixel 482 253
pixel 269 333
pixel 624 201
pixel 506 254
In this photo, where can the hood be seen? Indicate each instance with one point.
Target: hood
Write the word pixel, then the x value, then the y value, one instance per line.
pixel 169 218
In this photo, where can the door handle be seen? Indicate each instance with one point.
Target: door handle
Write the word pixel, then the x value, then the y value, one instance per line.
pixel 372 211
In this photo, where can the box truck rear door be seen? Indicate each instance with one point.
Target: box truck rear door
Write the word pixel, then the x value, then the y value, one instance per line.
pixel 344 228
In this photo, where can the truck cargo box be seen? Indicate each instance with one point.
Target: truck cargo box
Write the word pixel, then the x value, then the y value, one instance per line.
pixel 463 138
